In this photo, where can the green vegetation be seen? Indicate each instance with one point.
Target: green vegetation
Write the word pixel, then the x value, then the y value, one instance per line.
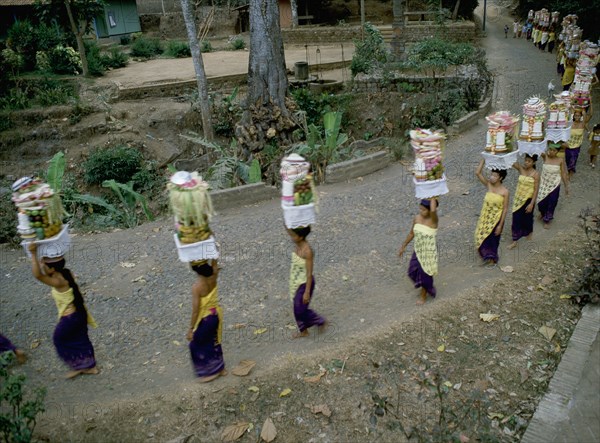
pixel 18 409
pixel 237 43
pixel 178 49
pixel 205 46
pixel 226 112
pixel 370 53
pixel 144 47
pixel 114 163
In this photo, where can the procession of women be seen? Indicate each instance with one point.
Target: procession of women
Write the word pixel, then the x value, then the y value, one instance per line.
pixel 553 132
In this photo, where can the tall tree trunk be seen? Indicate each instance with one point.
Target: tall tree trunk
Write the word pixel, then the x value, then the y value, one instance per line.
pixel 190 25
pixel 267 79
pixel 78 37
pixel 455 13
pixel 294 7
pixel 399 28
pixel 266 116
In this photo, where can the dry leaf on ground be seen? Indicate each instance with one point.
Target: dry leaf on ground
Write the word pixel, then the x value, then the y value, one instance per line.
pixel 243 368
pixel 253 389
pixel 268 432
pixel 547 280
pixel 315 378
pixel 565 296
pixel 320 409
pixel 489 317
pixel 233 432
pixel 285 392
pixel 547 332
pixel 441 348
pixel 125 264
pixel 260 331
pixel 506 269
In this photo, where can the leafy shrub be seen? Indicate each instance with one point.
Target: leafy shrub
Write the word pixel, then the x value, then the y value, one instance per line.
pixel 13 60
pixel 5 122
pixel 317 105
pixel 146 47
pixel 53 93
pixel 587 288
pixel 237 42
pixel 21 39
pixel 436 54
pixel 205 46
pixel 226 111
pixel 16 98
pixel 125 40
pixel 370 52
pixel 116 58
pixel 48 36
pixel 115 163
pixel 148 179
pixel 178 49
pixel 18 411
pixel 8 219
pixel 96 63
pixel 59 60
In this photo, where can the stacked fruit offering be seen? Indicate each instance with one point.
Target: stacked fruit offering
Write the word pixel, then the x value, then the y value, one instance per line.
pixel 40 209
pixel 560 111
pixel 501 132
pixel 303 191
pixel 534 115
pixel 428 146
pixel 191 206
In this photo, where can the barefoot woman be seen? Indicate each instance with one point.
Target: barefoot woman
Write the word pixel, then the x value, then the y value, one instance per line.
pixel 423 263
pixel 71 334
pixel 206 324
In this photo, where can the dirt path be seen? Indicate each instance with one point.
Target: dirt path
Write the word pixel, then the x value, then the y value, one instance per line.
pixel 143 310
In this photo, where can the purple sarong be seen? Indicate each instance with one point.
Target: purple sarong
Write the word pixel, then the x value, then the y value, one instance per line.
pixel 419 276
pixel 548 205
pixel 306 317
pixel 488 250
pixel 207 355
pixel 6 345
pixel 571 155
pixel 522 222
pixel 72 342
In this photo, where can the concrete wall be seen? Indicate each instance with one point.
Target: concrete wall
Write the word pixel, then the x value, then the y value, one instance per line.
pixel 320 34
pixel 356 168
pixel 242 195
pixel 172 26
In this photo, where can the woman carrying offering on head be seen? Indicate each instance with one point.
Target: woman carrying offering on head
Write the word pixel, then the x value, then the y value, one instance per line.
pixel 206 324
pixel 302 282
pixel 424 261
pixel 493 213
pixel 575 141
pixel 553 170
pixel 524 200
pixel 71 333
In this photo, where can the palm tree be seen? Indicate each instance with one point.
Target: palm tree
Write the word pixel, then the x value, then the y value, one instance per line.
pixel 190 24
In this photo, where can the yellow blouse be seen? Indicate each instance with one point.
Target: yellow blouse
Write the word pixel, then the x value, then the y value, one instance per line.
pixel 64 299
pixel 576 139
pixel 426 248
pixel 491 213
pixel 209 304
pixel 297 274
pixel 524 191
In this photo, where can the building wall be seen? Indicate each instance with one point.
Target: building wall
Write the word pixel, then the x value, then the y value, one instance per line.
pixel 285 14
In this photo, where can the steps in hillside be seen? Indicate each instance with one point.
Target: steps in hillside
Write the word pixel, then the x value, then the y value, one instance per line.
pixel 386 32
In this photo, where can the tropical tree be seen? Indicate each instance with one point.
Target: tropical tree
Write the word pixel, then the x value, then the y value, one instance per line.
pixel 294 7
pixel 80 17
pixel 266 117
pixel 190 24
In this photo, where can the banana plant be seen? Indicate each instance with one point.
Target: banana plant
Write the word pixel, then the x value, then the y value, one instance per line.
pixel 323 148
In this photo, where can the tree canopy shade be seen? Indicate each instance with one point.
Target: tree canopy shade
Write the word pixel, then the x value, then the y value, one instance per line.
pixel 465 7
pixel 588 12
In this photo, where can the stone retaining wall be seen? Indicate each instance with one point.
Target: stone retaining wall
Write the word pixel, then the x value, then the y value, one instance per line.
pixel 242 195
pixel 455 32
pixel 320 34
pixel 358 167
